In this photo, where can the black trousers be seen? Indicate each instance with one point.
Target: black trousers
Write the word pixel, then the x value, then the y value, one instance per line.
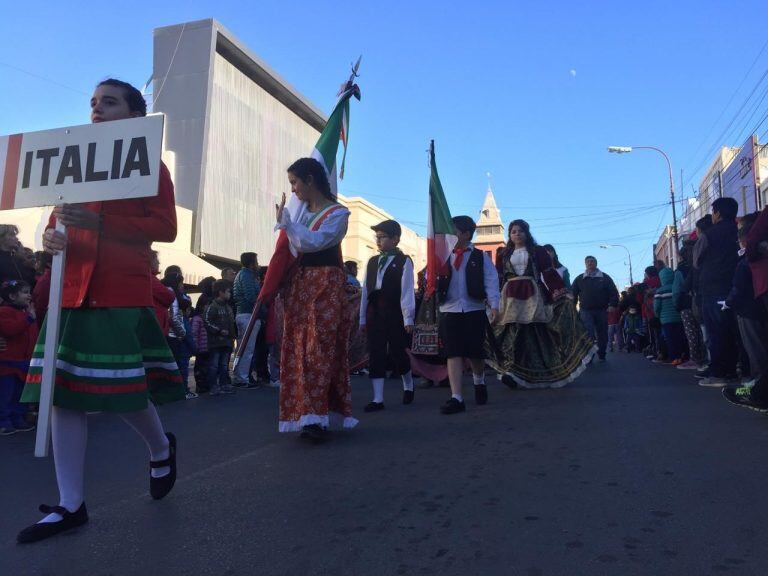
pixel 387 342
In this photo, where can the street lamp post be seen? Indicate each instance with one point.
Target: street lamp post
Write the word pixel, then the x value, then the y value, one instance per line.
pixel 627 150
pixel 629 256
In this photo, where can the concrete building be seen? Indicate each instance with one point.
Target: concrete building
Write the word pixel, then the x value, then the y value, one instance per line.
pixel 489 235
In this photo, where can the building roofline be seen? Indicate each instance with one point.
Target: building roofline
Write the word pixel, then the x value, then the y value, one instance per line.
pixel 242 58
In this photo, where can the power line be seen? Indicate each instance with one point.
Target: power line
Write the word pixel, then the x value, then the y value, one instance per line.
pixel 44 78
pixel 730 101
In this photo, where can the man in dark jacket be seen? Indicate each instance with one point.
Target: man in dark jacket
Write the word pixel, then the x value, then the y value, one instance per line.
pixel 715 257
pixel 596 293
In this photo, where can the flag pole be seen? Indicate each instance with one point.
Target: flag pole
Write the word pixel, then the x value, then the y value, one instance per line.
pixel 50 357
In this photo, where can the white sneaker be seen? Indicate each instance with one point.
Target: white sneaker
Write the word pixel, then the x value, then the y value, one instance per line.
pixel 714 382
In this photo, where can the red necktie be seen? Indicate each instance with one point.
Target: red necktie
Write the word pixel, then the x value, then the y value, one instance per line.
pixel 459 256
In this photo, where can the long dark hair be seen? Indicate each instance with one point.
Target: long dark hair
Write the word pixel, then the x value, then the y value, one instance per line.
pixel 306 168
pixel 555 259
pixel 530 242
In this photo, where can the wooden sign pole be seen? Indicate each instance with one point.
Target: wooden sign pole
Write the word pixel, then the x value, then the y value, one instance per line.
pixel 42 441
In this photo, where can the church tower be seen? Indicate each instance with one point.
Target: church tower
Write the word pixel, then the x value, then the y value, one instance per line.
pixel 489 235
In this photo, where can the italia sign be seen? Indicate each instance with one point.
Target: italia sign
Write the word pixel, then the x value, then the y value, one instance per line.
pixel 104 161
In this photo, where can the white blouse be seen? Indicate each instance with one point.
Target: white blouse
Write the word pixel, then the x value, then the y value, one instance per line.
pixel 331 231
pixel 519 261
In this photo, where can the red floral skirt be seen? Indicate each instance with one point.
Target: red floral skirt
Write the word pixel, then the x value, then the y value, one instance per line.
pixel 314 362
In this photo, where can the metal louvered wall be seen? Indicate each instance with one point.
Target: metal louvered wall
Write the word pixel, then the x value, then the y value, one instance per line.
pixel 252 139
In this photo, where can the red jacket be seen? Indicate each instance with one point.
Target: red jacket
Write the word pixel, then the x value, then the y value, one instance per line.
pixel 20 333
pixel 110 269
pixel 162 298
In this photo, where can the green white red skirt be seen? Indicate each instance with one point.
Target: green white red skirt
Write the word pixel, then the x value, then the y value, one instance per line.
pixel 110 360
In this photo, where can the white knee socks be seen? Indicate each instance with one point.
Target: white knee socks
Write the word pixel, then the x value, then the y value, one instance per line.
pixel 378 390
pixel 147 423
pixel 69 435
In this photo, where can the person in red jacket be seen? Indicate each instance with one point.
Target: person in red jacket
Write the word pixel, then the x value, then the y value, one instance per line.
pixel 19 329
pixel 112 355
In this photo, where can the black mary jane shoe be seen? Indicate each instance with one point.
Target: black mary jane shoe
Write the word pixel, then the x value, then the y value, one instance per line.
pixel 407 396
pixel 374 407
pixel 43 530
pixel 159 487
pixel 313 433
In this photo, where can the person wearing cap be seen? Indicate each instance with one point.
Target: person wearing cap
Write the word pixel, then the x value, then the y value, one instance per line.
pixel 387 310
pixel 467 284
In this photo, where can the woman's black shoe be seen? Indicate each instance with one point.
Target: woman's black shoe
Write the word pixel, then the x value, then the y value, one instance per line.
pixel 159 487
pixel 407 396
pixel 313 433
pixel 453 406
pixel 373 407
pixel 43 530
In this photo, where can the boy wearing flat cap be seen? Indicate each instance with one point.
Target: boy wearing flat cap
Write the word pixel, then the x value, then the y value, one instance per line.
pixel 467 285
pixel 387 311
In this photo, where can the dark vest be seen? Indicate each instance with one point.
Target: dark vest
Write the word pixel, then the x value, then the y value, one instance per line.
pixel 718 264
pixel 475 277
pixel 328 257
pixel 391 283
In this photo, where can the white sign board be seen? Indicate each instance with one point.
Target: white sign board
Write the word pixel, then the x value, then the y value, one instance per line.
pixel 104 161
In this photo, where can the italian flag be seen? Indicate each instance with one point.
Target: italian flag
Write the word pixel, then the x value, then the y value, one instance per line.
pixel 441 237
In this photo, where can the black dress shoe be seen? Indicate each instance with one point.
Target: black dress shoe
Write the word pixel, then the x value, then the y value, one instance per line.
pixel 407 396
pixel 453 406
pixel 159 487
pixel 444 383
pixel 481 394
pixel 374 406
pixel 507 380
pixel 43 530
pixel 313 433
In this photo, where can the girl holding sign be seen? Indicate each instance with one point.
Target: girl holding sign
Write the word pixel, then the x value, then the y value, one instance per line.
pixel 112 356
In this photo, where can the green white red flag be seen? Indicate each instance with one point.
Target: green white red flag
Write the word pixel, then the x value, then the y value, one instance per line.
pixel 441 234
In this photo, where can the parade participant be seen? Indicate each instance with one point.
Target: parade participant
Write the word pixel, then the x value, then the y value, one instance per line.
pixel 387 311
pixel 18 327
pixel 314 367
pixel 596 293
pixel 539 340
pixel 112 355
pixel 559 268
pixel 467 283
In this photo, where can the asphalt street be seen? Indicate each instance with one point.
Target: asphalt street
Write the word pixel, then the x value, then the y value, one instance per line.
pixel 631 470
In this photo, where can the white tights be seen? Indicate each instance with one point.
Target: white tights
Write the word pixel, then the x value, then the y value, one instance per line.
pixel 69 435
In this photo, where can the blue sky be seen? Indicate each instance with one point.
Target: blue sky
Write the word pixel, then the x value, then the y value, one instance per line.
pixel 531 92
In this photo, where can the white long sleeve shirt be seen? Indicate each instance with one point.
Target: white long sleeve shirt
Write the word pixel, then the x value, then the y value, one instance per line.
pixel 407 293
pixel 331 231
pixel 458 300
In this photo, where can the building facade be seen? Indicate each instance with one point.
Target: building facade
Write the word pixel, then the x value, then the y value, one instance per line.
pixel 489 235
